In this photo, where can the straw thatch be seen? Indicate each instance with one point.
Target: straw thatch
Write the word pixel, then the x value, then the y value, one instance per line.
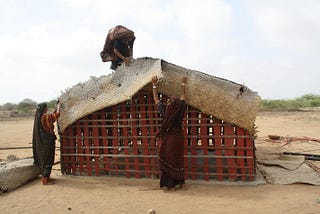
pixel 225 100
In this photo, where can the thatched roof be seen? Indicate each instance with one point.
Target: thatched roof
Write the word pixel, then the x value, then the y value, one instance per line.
pixel 211 95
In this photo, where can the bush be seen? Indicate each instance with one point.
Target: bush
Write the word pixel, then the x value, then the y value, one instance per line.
pixel 25 108
pixel 52 104
pixel 27 104
pixel 308 100
pixel 8 107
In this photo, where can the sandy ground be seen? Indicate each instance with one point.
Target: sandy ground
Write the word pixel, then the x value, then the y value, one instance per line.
pixel 72 194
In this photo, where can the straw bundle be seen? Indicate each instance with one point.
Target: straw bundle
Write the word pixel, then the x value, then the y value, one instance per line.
pixel 221 98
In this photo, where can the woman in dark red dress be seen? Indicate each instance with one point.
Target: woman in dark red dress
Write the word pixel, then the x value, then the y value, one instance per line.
pixel 171 154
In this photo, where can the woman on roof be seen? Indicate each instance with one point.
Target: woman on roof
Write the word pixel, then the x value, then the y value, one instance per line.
pixel 171 154
pixel 43 140
pixel 118 46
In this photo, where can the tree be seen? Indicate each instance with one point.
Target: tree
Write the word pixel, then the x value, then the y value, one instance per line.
pixel 8 107
pixel 27 104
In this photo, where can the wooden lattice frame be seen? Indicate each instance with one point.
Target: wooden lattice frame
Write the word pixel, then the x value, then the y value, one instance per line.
pixel 119 140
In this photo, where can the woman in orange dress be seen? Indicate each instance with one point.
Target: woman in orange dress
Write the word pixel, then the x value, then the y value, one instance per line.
pixel 43 140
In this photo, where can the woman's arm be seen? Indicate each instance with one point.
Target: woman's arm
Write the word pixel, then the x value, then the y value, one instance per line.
pixel 154 89
pixel 56 114
pixel 130 45
pixel 183 84
pixel 118 53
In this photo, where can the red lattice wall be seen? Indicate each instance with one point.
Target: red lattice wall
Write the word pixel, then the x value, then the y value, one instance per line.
pixel 119 140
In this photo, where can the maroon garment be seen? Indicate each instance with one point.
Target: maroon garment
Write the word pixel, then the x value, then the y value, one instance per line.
pixel 171 152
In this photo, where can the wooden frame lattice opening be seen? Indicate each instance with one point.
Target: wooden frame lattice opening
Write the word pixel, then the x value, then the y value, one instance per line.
pixel 120 141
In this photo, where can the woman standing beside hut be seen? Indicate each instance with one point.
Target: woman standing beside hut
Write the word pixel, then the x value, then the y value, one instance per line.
pixel 43 141
pixel 171 154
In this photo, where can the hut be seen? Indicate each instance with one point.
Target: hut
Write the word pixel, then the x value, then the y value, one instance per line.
pixel 107 124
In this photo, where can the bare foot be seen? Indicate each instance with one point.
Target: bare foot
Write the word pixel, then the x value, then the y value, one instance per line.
pixel 47 181
pixel 182 187
pixel 168 189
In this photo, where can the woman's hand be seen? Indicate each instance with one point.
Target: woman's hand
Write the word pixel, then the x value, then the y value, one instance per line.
pixel 126 61
pixel 58 106
pixel 184 80
pixel 183 84
pixel 154 80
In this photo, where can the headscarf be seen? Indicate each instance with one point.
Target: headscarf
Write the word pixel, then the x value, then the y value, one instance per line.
pixel 119 33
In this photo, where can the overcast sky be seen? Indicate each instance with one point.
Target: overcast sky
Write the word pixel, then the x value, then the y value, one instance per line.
pixel 272 47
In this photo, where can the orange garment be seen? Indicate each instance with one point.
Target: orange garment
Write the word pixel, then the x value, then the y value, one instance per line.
pixel 47 121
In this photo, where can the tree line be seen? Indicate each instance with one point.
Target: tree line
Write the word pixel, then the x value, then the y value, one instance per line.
pixel 24 108
pixel 305 101
pixel 27 106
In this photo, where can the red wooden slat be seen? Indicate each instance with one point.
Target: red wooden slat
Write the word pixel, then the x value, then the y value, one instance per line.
pixel 152 146
pixel 68 162
pixel 152 116
pixel 134 139
pixel 240 152
pixel 219 148
pixel 95 141
pixel 105 143
pixel 74 164
pixel 87 144
pixel 250 158
pixel 194 141
pixel 115 141
pixel 144 131
pixel 125 132
pixel 64 142
pixel 230 152
pixel 79 145
pixel 204 145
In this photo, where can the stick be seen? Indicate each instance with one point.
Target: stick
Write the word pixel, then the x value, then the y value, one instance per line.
pixel 22 147
pixel 149 188
pixel 307 156
pixel 288 139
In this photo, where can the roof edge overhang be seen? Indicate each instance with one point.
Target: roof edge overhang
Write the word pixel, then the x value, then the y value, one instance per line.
pixel 212 95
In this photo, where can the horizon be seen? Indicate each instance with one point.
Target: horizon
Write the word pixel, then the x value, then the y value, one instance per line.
pixel 1 104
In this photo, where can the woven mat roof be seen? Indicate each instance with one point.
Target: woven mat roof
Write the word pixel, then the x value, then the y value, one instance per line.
pixel 211 95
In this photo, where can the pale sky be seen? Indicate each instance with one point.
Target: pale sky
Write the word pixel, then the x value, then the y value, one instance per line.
pixel 271 46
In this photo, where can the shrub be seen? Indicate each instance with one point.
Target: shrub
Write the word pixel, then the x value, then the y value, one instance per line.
pixel 308 100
